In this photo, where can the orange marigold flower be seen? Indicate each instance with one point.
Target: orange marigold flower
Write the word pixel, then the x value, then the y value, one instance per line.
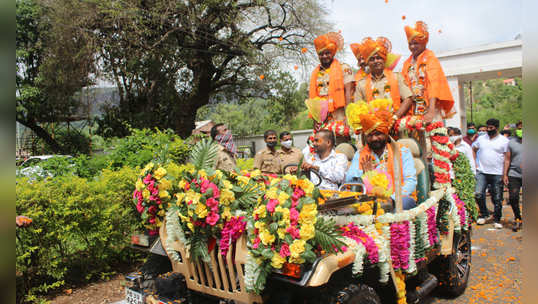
pixel 303 50
pixel 439 31
pixel 280 38
pixel 295 67
pixel 262 76
pixel 403 17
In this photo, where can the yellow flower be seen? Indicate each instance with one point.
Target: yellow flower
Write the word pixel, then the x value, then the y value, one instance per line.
pixel 243 179
pixel 306 185
pixel 145 193
pixel 255 173
pixel 266 237
pixel 182 217
pixel 190 213
pixel 308 214
pixel 202 173
pixel 226 196
pixel 307 232
pixel 275 181
pixel 281 233
pixel 277 261
pixel 159 173
pixel 259 225
pixel 149 166
pixel 227 184
pixel 283 197
pixel 380 180
pixel 161 212
pixel 271 193
pixel 193 196
pixel 291 178
pixel 378 104
pixel 182 183
pixel 260 211
pixel 191 226
pixel 165 184
pixel 180 196
pixel 353 112
pixel 158 222
pixel 164 194
pixel 226 214
pixel 297 248
pixel 139 184
pixel 285 213
pixel 201 210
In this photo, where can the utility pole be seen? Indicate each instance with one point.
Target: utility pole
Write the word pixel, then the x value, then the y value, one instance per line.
pixel 471 98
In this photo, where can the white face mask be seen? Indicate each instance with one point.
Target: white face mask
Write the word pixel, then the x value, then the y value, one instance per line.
pixel 286 144
pixel 454 139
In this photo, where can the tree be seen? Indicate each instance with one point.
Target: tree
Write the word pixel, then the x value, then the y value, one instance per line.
pixel 169 58
pixel 52 64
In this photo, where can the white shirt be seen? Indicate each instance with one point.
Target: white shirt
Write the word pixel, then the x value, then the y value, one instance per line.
pixel 464 148
pixel 332 169
pixel 490 154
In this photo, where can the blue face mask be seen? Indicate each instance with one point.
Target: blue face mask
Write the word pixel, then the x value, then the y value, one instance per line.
pixel 471 131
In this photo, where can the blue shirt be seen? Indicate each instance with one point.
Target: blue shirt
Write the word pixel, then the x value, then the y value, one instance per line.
pixel 409 171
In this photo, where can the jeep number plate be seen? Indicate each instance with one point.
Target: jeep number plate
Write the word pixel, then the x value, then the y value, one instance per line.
pixel 133 297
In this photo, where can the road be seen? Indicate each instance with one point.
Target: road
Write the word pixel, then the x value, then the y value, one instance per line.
pixel 495 270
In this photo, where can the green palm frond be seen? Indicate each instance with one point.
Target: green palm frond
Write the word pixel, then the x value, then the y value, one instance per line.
pixel 247 195
pixel 204 154
pixel 327 235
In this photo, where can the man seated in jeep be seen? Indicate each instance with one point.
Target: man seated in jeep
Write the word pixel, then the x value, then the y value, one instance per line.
pixel 377 154
pixel 331 166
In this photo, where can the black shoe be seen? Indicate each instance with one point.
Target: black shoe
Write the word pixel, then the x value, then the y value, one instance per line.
pixel 517 225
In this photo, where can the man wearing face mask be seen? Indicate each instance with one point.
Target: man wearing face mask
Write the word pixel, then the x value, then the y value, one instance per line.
pixel 471 134
pixel 287 153
pixel 267 160
pixel 490 152
pixel 330 165
pixel 515 173
pixel 227 149
pixel 463 147
pixel 482 130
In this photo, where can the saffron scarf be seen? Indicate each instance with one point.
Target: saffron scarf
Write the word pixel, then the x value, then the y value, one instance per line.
pixel 394 89
pixel 336 85
pixel 435 84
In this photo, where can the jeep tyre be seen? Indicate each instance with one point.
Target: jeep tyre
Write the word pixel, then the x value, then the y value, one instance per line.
pixel 454 270
pixel 356 294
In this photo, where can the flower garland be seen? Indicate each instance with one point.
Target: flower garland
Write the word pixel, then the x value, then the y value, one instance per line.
pixel 420 246
pixel 433 234
pixel 443 153
pixel 175 233
pixel 151 194
pixel 400 284
pixel 232 230
pixel 338 127
pixel 399 245
pixel 353 232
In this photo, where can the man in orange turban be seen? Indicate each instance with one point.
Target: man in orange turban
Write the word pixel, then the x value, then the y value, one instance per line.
pixel 424 75
pixel 378 155
pixel 382 82
pixel 331 80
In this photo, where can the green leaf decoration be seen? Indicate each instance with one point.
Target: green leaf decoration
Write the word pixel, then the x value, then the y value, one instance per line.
pixel 327 235
pixel 204 154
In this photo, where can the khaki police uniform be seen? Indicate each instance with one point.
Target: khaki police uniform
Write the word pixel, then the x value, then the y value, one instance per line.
pixel 267 161
pixel 225 160
pixel 292 156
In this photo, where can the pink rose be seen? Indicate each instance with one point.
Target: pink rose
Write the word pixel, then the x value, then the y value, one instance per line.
pixel 211 203
pixel 212 218
pixel 137 194
pixel 204 185
pixel 152 210
pixel 294 232
pixel 139 207
pixel 271 205
pixel 153 232
pixel 284 250
pixel 216 192
pixel 294 215
pixel 256 243
pixel 147 179
pixel 152 220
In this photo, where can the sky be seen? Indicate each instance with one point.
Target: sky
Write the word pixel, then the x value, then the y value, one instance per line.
pixel 463 23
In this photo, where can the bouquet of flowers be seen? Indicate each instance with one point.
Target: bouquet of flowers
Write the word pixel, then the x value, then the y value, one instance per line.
pixel 354 110
pixel 378 183
pixel 151 195
pixel 284 228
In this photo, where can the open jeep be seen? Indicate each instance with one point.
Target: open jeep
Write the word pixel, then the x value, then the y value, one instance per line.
pixel 434 240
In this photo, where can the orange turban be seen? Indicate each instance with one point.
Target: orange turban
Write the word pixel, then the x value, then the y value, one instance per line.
pixel 356 49
pixel 369 47
pixel 418 33
pixel 380 120
pixel 331 41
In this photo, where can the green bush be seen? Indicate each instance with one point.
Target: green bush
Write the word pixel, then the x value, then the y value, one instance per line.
pixel 79 232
